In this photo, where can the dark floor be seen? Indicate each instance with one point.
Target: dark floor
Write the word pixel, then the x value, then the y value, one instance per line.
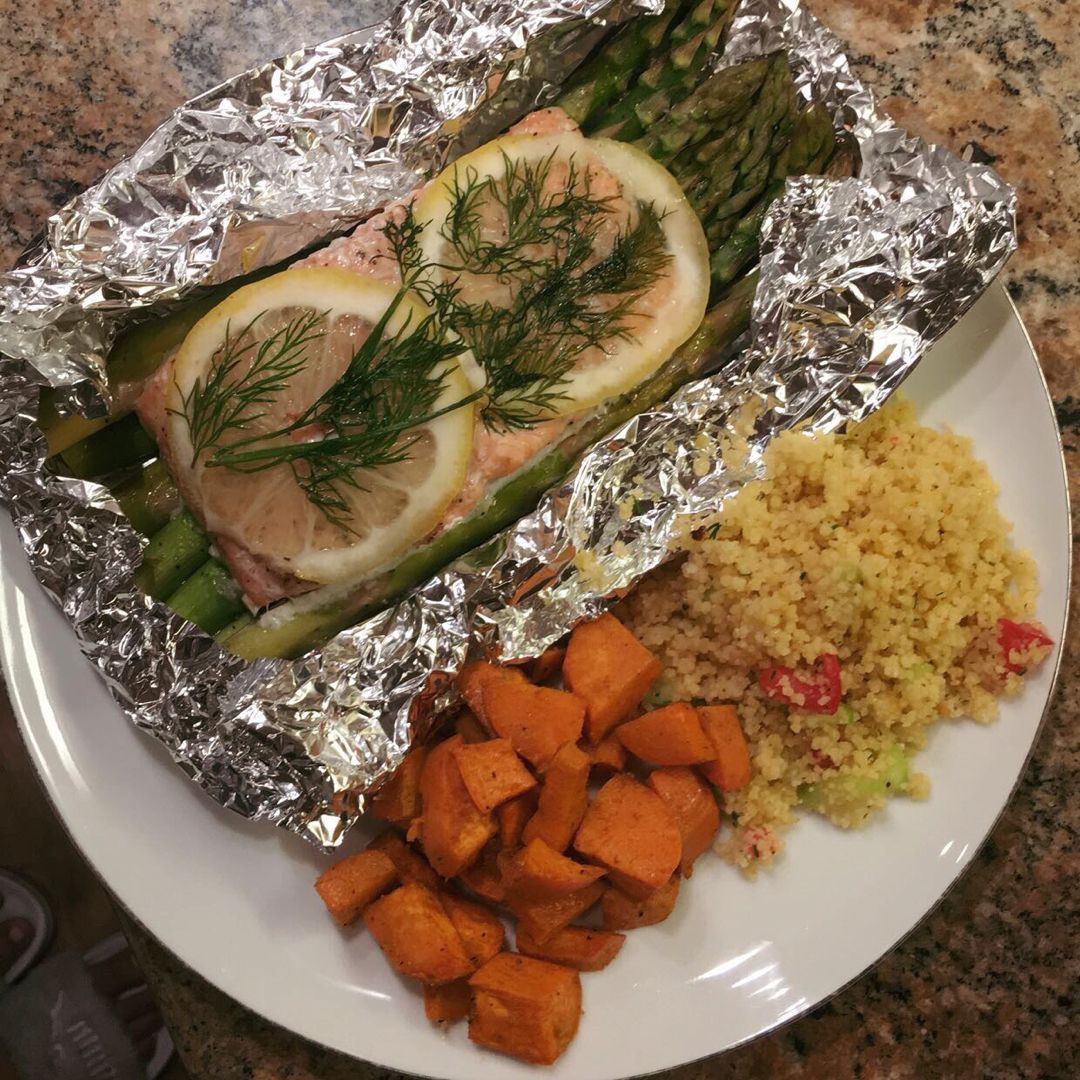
pixel 34 845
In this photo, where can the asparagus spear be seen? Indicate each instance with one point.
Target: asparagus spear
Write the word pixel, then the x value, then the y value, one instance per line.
pixel 741 246
pixel 149 499
pixel 671 78
pixel 607 75
pixel 697 19
pixel 209 598
pixel 115 447
pixel 174 553
pixel 675 125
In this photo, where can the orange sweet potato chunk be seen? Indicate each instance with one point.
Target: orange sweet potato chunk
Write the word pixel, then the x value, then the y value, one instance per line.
pixel 537 872
pixel 730 770
pixel 469 728
pixel 548 664
pixel 449 1003
pixel 398 800
pixel 417 936
pixel 672 735
pixel 512 817
pixel 607 756
pixel 480 929
pixel 536 719
pixel 492 772
pixel 692 802
pixel 410 865
pixel 624 912
pixel 526 1008
pixel 629 829
pixel 564 795
pixel 352 883
pixel 477 674
pixel 542 918
pixel 575 947
pixel 452 829
pixel 484 877
pixel 610 670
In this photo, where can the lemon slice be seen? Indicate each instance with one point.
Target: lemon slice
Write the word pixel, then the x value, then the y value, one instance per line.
pixel 388 508
pixel 663 318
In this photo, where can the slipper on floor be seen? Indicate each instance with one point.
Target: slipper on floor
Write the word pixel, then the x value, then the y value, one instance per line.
pixel 22 901
pixel 55 1023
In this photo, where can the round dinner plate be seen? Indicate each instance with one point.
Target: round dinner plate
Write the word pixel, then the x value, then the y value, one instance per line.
pixel 234 900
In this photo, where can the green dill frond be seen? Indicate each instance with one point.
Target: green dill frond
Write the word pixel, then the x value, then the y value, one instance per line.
pixel 227 400
pixel 542 250
pixel 361 422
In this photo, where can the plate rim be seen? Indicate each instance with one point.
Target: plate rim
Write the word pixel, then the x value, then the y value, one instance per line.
pixel 51 795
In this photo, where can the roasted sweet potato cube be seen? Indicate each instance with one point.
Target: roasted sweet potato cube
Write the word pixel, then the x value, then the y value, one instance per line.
pixel 576 947
pixel 536 719
pixel 672 735
pixel 548 664
pixel 610 670
pixel 730 770
pixel 692 802
pixel 413 929
pixel 564 795
pixel 629 829
pixel 469 728
pixel 484 877
pixel 449 1003
pixel 409 864
pixel 398 800
pixel 542 918
pixel 607 756
pixel 537 872
pixel 512 817
pixel 526 1008
pixel 477 674
pixel 452 829
pixel 352 883
pixel 480 929
pixel 624 912
pixel 492 772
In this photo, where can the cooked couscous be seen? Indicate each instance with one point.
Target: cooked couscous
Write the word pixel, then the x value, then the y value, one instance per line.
pixel 865 589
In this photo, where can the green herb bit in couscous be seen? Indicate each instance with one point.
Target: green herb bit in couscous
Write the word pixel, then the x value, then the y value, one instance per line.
pixel 862 591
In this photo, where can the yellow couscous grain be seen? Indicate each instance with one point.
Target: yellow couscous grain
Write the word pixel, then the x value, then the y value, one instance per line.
pixel 882 546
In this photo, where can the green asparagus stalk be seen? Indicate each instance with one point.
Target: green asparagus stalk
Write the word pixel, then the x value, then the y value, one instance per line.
pixel 149 499
pixel 814 153
pixel 696 19
pixel 670 79
pixel 675 125
pixel 209 598
pixel 174 553
pixel 723 324
pixel 607 75
pixel 241 622
pixel 118 446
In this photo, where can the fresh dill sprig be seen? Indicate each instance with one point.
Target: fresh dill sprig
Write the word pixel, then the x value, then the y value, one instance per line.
pixel 534 237
pixel 390 386
pixel 232 398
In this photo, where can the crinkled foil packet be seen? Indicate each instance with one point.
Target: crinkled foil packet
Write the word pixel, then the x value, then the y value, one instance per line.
pixel 858 278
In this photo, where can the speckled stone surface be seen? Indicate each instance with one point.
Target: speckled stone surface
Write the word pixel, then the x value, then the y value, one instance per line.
pixel 986 986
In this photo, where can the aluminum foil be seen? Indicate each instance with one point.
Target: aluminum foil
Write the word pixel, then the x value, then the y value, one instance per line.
pixel 858 278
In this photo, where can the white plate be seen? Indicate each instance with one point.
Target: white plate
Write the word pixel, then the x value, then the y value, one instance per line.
pixel 234 900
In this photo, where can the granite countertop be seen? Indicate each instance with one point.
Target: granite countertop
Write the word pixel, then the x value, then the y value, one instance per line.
pixel 985 987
